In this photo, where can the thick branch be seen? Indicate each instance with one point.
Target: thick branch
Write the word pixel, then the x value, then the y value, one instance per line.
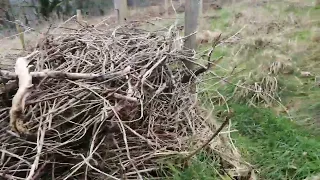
pixel 18 101
pixel 63 75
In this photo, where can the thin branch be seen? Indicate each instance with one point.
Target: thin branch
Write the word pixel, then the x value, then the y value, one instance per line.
pixel 186 159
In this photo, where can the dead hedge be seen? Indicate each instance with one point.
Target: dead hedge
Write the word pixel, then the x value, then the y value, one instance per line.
pixel 106 104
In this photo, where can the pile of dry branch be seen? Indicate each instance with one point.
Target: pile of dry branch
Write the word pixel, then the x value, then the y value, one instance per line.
pixel 100 104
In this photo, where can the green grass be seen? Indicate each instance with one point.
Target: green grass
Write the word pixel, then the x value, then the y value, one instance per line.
pixel 224 20
pixel 202 167
pixel 275 146
pixel 279 148
pixel 303 35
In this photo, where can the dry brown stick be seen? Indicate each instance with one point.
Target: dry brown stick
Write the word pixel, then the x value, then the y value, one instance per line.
pixel 40 143
pixel 124 97
pixel 187 78
pixel 63 75
pixel 227 118
pixel 39 171
pixel 9 177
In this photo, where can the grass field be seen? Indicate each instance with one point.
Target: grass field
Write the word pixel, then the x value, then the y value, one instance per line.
pixel 268 76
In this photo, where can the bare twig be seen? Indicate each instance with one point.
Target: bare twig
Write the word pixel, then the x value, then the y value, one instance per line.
pixel 186 159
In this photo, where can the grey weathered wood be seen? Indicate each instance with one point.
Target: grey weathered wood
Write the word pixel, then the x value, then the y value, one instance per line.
pixel 191 24
pixel 116 4
pixel 200 8
pixel 166 7
pixel 79 16
pixel 121 8
pixel 123 11
pixel 21 35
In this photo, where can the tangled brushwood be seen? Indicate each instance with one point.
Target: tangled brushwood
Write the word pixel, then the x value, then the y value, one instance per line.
pixel 104 104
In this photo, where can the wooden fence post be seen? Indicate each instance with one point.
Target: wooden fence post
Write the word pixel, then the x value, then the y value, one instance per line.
pixel 116 4
pixel 200 8
pixel 191 24
pixel 123 11
pixel 21 34
pixel 201 20
pixel 79 16
pixel 121 8
pixel 166 7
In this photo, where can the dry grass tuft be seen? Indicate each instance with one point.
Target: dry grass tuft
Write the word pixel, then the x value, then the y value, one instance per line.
pixel 281 65
pixel 207 37
pixel 261 89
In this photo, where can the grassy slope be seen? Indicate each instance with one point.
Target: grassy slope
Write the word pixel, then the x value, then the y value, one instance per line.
pixel 278 147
